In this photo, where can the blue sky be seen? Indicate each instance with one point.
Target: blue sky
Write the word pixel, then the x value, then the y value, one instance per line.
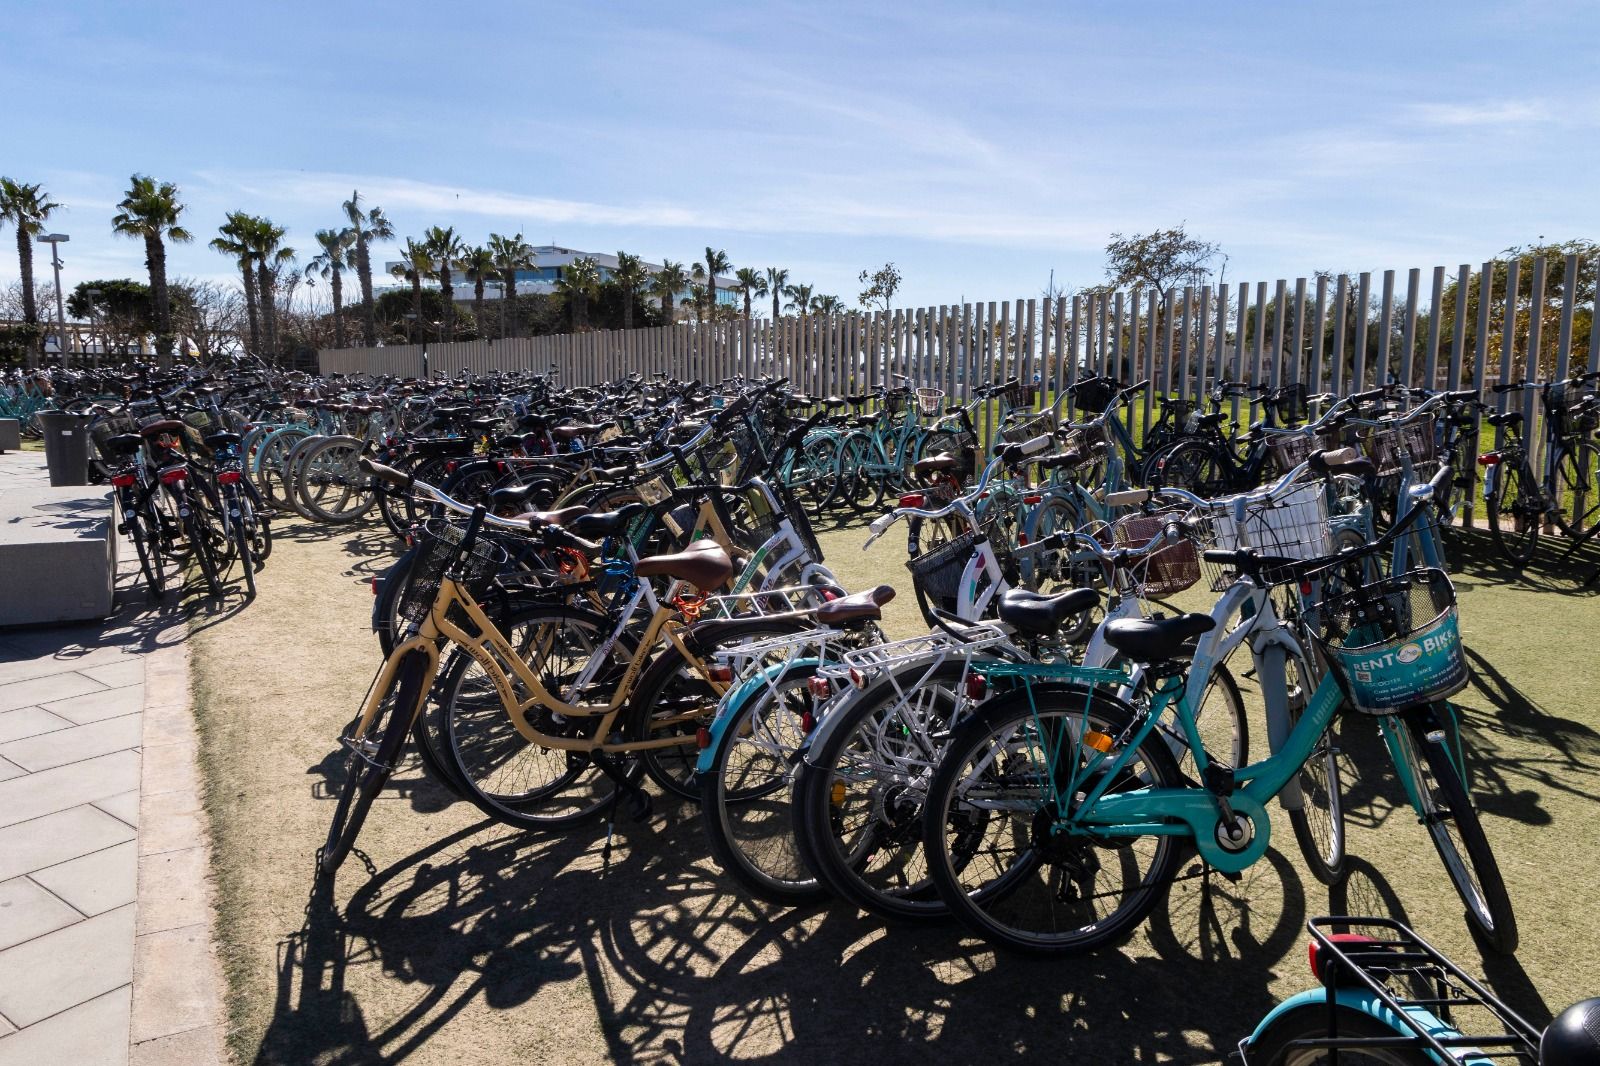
pixel 977 146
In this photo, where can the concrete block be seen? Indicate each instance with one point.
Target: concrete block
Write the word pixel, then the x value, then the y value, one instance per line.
pixel 58 547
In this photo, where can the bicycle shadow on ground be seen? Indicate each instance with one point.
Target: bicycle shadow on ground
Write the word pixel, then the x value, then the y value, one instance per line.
pixel 681 967
pixel 1555 567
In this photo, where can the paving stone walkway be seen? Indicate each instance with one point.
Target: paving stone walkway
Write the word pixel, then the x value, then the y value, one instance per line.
pixel 105 948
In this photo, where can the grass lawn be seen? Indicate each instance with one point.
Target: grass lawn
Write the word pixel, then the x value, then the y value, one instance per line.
pixel 469 942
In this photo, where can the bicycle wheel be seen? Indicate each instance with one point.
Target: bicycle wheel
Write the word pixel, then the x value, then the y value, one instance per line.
pixel 332 489
pixel 1195 465
pixel 1319 821
pixel 200 527
pixel 500 771
pixel 858 799
pixel 241 541
pixel 151 561
pixel 815 474
pixel 993 851
pixel 371 759
pixel 858 486
pixel 1422 743
pixel 1310 1021
pixel 1516 511
pixel 747 794
pixel 673 699
pixel 1577 488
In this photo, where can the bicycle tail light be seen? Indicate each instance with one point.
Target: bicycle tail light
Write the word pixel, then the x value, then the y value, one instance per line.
pixel 228 477
pixel 176 475
pixel 722 675
pixel 1489 459
pixel 821 688
pixel 125 480
pixel 977 686
pixel 912 499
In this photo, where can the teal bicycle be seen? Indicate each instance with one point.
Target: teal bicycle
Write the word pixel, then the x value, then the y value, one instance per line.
pixel 1058 816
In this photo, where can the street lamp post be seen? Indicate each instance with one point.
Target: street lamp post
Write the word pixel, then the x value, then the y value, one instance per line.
pixel 55 241
pixel 94 324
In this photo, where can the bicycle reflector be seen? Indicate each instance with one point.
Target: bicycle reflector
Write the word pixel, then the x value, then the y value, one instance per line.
pixel 124 481
pixel 977 686
pixel 858 678
pixel 1314 951
pixel 821 688
pixel 722 675
pixel 912 499
pixel 1489 459
pixel 228 477
pixel 1032 498
pixel 175 475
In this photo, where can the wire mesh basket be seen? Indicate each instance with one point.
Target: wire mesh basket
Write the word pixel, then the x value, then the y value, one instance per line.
pixel 1396 643
pixel 1289 403
pixel 894 401
pixel 1570 409
pixel 1019 394
pixel 1289 450
pixel 1083 437
pixel 1027 429
pixel 936 573
pixel 110 426
pixel 1165 572
pixel 1094 394
pixel 1389 446
pixel 1295 526
pixel 930 401
pixel 439 541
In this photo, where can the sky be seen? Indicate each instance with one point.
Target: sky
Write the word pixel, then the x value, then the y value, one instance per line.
pixel 980 147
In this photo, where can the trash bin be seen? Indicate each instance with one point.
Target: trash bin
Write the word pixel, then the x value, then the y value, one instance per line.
pixel 66 447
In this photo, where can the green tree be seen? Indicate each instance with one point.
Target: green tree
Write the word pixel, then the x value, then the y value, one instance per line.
pixel 367 224
pixel 150 212
pixel 665 284
pixel 121 307
pixel 881 285
pixel 752 283
pixel 511 254
pixel 1158 260
pixel 827 305
pixel 330 265
pixel 776 282
pixel 416 263
pixel 446 248
pixel 27 208
pixel 716 263
pixel 579 283
pixel 234 240
pixel 477 263
pixel 630 277
pixel 799 298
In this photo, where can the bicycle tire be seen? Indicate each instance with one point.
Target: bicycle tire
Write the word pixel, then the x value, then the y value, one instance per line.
pixel 312 471
pixel 241 538
pixel 1309 1021
pixel 366 772
pixel 1318 823
pixel 1515 500
pixel 1447 805
pixel 1576 471
pixel 149 552
pixel 1193 464
pixel 997 908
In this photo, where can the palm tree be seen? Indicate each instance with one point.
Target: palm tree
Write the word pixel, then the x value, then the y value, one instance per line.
pixel 446 248
pixel 478 263
pixel 26 209
pixel 665 284
pixel 777 282
pixel 267 250
pixel 826 305
pixel 366 225
pixel 234 241
pixel 580 279
pixel 330 265
pixel 716 263
pixel 511 254
pixel 799 298
pixel 751 283
pixel 696 301
pixel 416 263
pixel 150 212
pixel 630 276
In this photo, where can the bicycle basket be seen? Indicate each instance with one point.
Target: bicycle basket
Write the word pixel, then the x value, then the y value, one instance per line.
pixel 1295 527
pixel 1289 403
pixel 1094 394
pixel 108 427
pixel 1289 450
pixel 1027 429
pixel 1082 437
pixel 1019 394
pixel 1396 643
pixel 1567 409
pixel 894 401
pixel 930 401
pixel 438 540
pixel 1168 571
pixel 1388 446
pixel 936 573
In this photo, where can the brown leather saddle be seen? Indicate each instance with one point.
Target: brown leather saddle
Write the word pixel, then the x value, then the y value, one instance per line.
pixel 704 564
pixel 859 607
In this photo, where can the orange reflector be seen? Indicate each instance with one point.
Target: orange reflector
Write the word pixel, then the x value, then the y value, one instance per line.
pixel 837 794
pixel 1097 741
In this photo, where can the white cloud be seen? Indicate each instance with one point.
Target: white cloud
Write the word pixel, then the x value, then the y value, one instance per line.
pixel 1497 113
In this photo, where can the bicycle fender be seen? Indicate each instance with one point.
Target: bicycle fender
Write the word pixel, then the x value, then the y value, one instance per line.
pixel 1364 1001
pixel 735 701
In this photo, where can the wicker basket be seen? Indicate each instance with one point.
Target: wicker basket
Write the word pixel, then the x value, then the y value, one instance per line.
pixel 1169 570
pixel 1289 450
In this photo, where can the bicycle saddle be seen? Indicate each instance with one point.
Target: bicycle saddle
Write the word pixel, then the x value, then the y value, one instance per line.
pixel 1034 612
pixel 703 564
pixel 482 425
pixel 1052 462
pixel 1156 640
pixel 222 440
pixel 553 518
pixel 124 443
pixel 1207 421
pixel 606 524
pixel 165 425
pixel 1509 418
pixel 1574 1037
pixel 935 464
pixel 575 431
pixel 862 606
pixel 515 495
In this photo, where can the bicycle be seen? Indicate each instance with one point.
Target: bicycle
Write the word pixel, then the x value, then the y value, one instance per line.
pixel 1388 996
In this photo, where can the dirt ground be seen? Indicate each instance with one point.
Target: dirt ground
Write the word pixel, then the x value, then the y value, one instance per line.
pixel 465 941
